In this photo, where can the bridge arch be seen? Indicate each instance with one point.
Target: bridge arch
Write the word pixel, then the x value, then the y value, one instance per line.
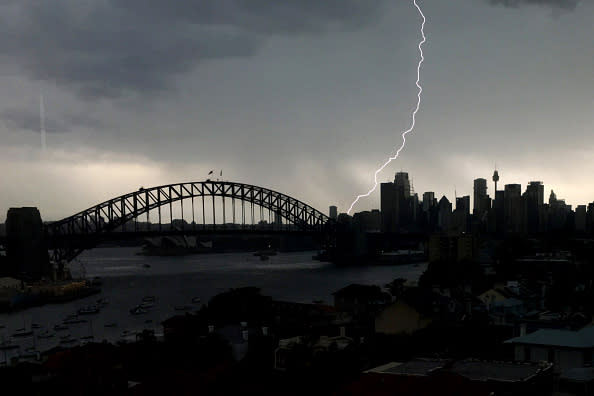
pixel 115 213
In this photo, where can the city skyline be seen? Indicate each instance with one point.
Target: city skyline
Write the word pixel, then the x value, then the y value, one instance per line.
pixel 306 99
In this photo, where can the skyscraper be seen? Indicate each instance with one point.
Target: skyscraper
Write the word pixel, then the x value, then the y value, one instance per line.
pixel 397 205
pixel 512 208
pixel 428 200
pixel 463 204
pixel 402 183
pixel 533 206
pixel 535 190
pixel 480 193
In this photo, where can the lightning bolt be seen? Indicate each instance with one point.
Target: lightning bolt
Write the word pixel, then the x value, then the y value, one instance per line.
pixel 390 159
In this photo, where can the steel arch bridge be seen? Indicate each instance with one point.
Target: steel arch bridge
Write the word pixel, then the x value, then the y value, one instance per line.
pixel 64 236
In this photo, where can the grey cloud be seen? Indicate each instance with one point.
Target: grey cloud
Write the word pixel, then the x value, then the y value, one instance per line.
pixel 112 48
pixel 30 121
pixel 561 4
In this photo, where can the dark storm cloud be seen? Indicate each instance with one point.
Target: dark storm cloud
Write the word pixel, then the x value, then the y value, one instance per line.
pixel 563 4
pixel 110 48
pixel 260 16
pixel 30 121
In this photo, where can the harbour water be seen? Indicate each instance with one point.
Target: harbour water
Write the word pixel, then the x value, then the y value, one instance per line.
pixel 176 283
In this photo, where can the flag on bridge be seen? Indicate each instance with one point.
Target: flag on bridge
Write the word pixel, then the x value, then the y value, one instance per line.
pixel 221 172
pixel 210 173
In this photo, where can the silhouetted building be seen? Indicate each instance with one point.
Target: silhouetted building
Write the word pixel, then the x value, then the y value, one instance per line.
pixel 26 248
pixel 559 214
pixel 495 224
pixel 398 208
pixel 429 200
pixel 590 217
pixel 389 206
pixel 480 196
pixel 453 248
pixel 402 183
pixel 533 199
pixel 580 218
pixel 461 216
pixel 333 212
pixel 513 218
pixel 463 204
pixel 444 215
pixel 367 220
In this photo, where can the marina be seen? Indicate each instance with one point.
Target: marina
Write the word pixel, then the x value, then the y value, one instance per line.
pixel 175 286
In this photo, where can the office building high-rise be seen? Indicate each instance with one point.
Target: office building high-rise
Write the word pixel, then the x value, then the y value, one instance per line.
pixel 580 218
pixel 480 195
pixel 398 207
pixel 535 190
pixel 402 183
pixel 512 208
pixel 463 204
pixel 428 200
pixel 533 199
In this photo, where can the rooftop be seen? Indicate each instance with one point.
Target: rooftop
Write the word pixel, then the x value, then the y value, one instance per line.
pixel 583 338
pixel 412 367
pixel 478 370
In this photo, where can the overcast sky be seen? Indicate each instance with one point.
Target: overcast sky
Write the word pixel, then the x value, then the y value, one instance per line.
pixel 306 97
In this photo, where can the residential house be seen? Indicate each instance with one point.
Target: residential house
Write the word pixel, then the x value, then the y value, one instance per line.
pixel 425 377
pixel 291 350
pixel 567 349
pixel 415 309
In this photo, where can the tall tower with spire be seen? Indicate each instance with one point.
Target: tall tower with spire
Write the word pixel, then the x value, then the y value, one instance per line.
pixel 495 179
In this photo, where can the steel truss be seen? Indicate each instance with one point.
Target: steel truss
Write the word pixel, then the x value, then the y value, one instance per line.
pixel 118 213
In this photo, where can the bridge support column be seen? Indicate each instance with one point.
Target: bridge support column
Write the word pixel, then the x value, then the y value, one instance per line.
pixel 26 248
